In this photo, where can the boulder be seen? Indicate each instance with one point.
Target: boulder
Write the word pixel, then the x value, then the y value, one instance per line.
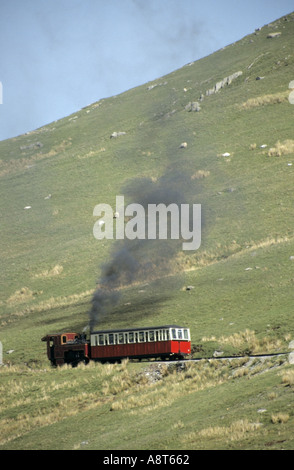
pixel 291 357
pixel 274 35
pixel 193 106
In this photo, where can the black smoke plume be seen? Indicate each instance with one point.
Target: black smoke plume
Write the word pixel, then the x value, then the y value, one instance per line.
pixel 141 260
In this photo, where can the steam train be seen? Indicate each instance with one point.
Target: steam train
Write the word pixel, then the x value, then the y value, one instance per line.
pixel 159 342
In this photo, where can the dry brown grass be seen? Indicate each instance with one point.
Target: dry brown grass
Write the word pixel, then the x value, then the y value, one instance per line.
pixel 50 272
pixel 25 294
pixel 150 396
pixel 265 100
pixel 91 153
pixel 247 340
pixel 34 403
pixel 279 418
pixel 200 174
pixel 22 295
pixel 25 162
pixel 236 431
pixel 288 378
pixel 282 148
pixel 204 258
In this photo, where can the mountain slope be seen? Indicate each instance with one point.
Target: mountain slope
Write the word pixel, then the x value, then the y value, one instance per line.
pixel 63 170
pixel 239 161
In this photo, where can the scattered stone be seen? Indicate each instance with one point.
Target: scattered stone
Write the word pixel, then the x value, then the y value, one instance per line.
pixel 150 87
pixel 291 344
pixel 155 372
pixel 218 353
pixel 33 146
pixel 183 145
pixel 226 154
pixel 27 207
pixel 117 134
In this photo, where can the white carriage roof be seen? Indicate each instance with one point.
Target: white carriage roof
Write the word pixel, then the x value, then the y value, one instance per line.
pixel 144 328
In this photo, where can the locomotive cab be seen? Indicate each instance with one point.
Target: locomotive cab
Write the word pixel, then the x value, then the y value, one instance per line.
pixel 66 348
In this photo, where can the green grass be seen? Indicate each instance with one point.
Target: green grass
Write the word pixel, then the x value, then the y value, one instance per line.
pixel 81 408
pixel 50 260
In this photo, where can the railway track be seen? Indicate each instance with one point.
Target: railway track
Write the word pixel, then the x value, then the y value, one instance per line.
pixel 210 358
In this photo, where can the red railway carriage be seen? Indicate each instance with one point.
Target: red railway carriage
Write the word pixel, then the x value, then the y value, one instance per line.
pixel 164 342
pixel 169 341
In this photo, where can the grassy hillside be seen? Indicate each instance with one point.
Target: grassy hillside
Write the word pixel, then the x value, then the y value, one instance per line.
pixel 239 161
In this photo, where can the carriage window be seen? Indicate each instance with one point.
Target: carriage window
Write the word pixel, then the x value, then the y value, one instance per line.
pixel 180 334
pixel 141 336
pixel 174 333
pixel 101 340
pixel 186 336
pixel 64 339
pixel 151 335
pixel 167 334
pixel 131 337
pixel 120 338
pixel 111 338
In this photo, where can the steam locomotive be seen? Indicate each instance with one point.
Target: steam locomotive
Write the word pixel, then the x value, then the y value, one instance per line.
pixel 159 342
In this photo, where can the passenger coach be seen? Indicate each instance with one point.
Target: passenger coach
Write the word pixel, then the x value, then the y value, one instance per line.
pixel 165 342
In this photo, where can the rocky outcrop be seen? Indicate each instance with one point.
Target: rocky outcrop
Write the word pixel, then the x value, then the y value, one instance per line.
pixel 224 82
